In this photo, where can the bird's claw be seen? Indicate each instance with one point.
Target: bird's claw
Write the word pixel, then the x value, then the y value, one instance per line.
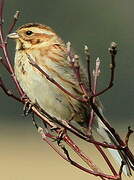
pixel 27 108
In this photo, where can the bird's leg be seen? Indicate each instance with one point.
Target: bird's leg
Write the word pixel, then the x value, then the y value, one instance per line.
pixel 27 104
pixel 61 131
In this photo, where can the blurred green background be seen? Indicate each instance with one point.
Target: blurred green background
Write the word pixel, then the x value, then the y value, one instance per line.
pixel 92 22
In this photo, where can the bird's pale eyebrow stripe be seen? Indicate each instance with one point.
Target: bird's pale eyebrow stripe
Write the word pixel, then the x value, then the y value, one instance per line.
pixel 39 28
pixel 47 32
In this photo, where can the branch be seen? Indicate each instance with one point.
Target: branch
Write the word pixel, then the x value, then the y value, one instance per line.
pixel 130 131
pixel 113 52
pixel 15 19
pixel 96 73
pixel 79 152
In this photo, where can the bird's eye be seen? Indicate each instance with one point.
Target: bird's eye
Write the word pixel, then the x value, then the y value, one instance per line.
pixel 29 33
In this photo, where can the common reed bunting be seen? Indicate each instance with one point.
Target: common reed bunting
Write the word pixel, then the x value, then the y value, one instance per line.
pixel 48 51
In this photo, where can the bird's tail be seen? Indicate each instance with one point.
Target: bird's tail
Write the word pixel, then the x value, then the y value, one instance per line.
pixel 118 155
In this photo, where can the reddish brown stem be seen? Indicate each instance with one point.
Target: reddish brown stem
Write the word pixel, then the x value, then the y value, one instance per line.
pixel 106 159
pixel 130 131
pixel 122 145
pixel 76 68
pixel 100 174
pixel 5 52
pixel 73 146
pixel 113 52
pixel 16 16
pixel 73 60
pixel 96 73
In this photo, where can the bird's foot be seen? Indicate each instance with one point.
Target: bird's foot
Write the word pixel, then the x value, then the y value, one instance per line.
pixel 61 133
pixel 27 108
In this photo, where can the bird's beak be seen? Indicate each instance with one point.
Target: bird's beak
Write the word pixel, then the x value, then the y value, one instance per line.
pixel 13 36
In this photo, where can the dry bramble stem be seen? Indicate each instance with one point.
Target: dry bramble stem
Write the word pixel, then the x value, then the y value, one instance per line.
pixel 56 124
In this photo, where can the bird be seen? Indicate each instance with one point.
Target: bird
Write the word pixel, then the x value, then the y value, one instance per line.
pixel 41 44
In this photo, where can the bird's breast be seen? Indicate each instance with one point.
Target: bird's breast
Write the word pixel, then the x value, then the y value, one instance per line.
pixel 41 91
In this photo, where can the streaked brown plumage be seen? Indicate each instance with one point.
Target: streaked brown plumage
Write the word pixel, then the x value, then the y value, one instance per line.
pixel 50 53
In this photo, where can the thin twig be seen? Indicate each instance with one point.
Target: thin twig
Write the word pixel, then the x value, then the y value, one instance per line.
pixel 130 131
pixel 74 62
pixel 113 51
pixel 15 19
pixel 88 68
pixel 77 72
pixel 96 73
pixel 8 62
pixel 73 145
pixel 106 159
